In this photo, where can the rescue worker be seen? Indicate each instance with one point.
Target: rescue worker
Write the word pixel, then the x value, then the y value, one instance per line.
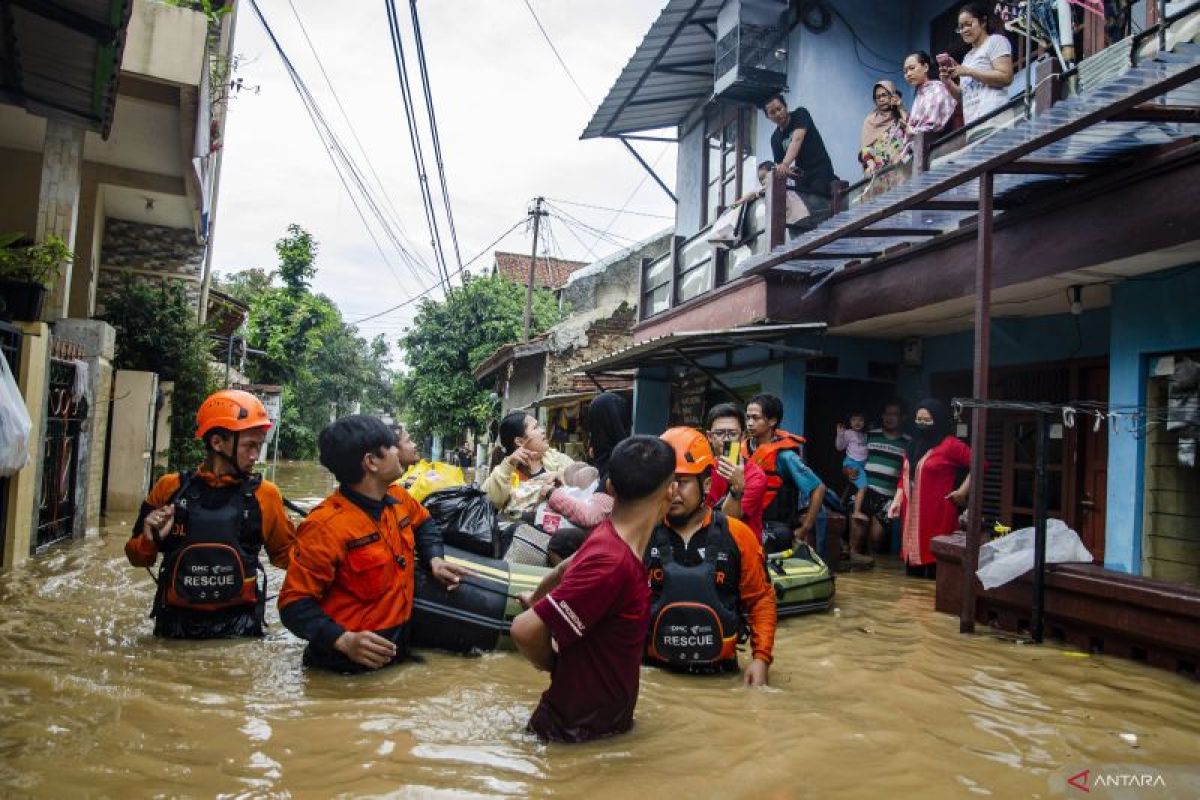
pixel 708 579
pixel 349 590
pixel 210 526
pixel 789 480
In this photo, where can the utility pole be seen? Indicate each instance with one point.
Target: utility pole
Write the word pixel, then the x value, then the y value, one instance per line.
pixel 537 215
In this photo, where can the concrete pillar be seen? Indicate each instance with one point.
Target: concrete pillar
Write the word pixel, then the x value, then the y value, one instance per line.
pixel 787 381
pixel 97 340
pixel 134 395
pixel 58 203
pixel 651 401
pixel 89 237
pixel 24 495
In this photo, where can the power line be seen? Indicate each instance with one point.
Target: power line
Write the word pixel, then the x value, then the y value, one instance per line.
pixel 610 208
pixel 414 138
pixel 433 127
pixel 379 184
pixel 464 267
pixel 343 164
pixel 557 55
pixel 629 199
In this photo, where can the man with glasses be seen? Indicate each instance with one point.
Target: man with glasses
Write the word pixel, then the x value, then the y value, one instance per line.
pixel 739 487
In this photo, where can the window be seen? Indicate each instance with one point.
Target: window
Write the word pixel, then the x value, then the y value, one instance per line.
pixel 729 163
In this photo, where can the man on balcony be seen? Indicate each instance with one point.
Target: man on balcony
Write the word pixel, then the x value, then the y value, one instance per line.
pixel 800 154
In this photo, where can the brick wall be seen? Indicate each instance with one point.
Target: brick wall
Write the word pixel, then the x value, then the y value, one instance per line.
pixel 58 201
pixel 152 252
pixel 603 337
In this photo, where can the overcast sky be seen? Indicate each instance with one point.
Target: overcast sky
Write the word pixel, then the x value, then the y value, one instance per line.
pixel 509 120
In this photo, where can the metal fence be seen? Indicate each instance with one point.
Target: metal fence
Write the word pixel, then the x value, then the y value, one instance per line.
pixel 65 414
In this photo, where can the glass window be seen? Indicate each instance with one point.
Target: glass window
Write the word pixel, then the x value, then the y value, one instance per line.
pixel 729 156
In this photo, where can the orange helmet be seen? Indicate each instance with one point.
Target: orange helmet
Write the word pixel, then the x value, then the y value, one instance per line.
pixel 693 454
pixel 232 410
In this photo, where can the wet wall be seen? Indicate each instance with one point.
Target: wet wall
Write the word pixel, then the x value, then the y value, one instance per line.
pixel 1151 315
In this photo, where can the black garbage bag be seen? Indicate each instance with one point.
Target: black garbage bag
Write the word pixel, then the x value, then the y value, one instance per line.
pixel 467 519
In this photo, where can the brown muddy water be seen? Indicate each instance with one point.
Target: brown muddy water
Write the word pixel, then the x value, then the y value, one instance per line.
pixel 880 698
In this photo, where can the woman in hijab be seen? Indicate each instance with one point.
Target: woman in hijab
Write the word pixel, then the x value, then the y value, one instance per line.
pixel 926 499
pixel 608 425
pixel 882 138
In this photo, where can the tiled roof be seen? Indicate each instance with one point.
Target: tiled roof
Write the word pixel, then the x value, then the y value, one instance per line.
pixel 551 273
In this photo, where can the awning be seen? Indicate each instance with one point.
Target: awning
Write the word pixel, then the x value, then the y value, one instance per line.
pixel 687 349
pixel 669 74
pixel 507 353
pixel 61 59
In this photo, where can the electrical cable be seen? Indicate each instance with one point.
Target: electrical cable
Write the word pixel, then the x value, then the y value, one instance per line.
pixel 415 142
pixel 427 90
pixel 464 267
pixel 610 208
pixel 342 162
pixel 379 184
pixel 558 56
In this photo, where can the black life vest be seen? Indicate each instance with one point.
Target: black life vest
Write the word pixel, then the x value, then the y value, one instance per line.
pixel 695 611
pixel 211 570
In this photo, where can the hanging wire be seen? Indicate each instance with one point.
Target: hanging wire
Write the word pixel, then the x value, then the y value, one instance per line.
pixel 344 165
pixel 464 267
pixel 435 239
pixel 427 90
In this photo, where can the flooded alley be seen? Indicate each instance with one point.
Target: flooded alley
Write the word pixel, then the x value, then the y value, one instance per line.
pixel 880 697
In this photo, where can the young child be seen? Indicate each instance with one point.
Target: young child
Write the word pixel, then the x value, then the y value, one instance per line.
pixel 853 442
pixel 579 505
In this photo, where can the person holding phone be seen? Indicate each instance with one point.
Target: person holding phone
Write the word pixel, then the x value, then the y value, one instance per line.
pixel 739 487
pixel 933 105
pixel 986 71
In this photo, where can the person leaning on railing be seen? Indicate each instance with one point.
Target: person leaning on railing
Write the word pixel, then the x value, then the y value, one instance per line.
pixel 986 71
pixel 882 139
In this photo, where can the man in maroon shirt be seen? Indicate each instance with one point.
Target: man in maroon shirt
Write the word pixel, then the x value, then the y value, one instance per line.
pixel 739 490
pixel 589 618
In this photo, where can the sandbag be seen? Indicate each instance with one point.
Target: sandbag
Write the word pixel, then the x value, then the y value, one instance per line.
pixel 467 519
pixel 426 477
pixel 1009 557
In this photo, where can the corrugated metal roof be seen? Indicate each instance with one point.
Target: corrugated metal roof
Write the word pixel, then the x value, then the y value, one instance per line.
pixel 677 348
pixel 62 59
pixel 670 72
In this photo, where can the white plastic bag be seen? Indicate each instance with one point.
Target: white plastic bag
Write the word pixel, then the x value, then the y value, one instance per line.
pixel 727 230
pixel 14 424
pixel 1009 557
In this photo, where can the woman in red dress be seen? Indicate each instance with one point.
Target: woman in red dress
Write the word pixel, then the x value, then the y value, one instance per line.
pixel 927 499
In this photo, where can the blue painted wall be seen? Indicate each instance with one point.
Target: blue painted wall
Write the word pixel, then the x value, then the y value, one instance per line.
pixel 1016 340
pixel 1152 315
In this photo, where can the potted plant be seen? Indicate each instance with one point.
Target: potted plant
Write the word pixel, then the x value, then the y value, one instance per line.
pixel 26 271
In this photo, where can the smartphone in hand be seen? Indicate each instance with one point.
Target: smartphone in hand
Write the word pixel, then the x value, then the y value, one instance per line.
pixel 733 452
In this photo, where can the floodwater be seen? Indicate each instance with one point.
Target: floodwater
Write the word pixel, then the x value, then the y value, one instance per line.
pixel 881 698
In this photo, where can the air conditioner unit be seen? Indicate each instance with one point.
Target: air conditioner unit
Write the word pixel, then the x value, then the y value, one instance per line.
pixel 751 62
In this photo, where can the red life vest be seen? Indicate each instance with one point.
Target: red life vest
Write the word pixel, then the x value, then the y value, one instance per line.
pixel 781 498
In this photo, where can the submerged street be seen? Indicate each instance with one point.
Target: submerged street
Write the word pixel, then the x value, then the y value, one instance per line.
pixel 94 706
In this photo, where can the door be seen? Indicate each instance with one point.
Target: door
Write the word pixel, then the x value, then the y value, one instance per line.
pixel 1093 468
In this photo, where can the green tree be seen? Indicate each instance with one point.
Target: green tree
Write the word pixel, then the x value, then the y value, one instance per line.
pixel 325 367
pixel 297 258
pixel 157 331
pixel 448 339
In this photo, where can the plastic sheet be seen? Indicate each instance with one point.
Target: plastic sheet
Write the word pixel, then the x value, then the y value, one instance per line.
pixel 15 424
pixel 1009 557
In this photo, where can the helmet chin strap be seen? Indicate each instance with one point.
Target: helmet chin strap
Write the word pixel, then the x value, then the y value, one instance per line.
pixel 238 472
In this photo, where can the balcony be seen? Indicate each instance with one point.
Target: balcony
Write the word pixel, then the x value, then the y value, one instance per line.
pixel 1119 105
pixel 166 43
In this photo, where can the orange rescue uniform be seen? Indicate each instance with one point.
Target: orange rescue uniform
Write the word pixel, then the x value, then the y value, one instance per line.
pixel 359 571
